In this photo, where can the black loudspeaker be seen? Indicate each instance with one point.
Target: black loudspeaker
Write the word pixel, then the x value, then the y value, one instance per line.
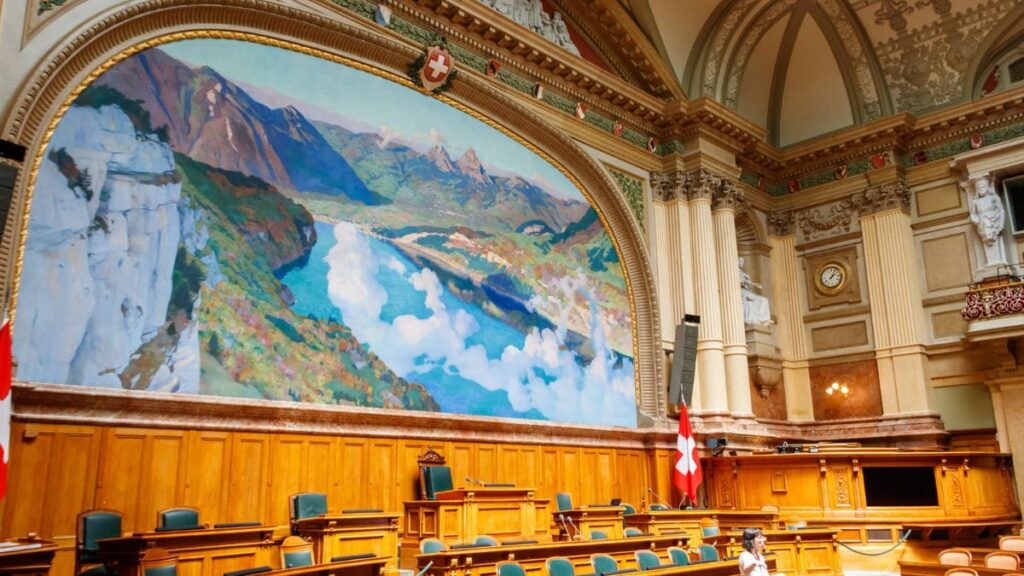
pixel 684 361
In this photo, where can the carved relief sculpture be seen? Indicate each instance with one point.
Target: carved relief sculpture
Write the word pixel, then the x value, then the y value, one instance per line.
pixel 988 217
pixel 530 14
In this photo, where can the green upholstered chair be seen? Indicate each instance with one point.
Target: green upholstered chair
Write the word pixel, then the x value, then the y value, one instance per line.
pixel 563 500
pixel 91 526
pixel 709 528
pixel 659 507
pixel 306 505
pixel 678 556
pixel 796 524
pixel 296 552
pixel 434 479
pixel 158 562
pixel 627 509
pixel 559 566
pixel 510 569
pixel 603 564
pixel 708 553
pixel 598 535
pixel 431 545
pixel 249 571
pixel 632 532
pixel 646 560
pixel 178 518
pixel 485 540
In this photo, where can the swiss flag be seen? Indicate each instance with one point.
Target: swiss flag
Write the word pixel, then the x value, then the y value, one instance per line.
pixel 687 475
pixel 5 403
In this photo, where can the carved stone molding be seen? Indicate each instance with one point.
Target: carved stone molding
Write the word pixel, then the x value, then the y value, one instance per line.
pixel 728 196
pixel 891 196
pixel 701 184
pixel 814 224
pixel 668 185
pixel 781 223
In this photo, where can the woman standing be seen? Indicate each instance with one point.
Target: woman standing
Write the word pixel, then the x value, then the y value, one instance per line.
pixel 752 561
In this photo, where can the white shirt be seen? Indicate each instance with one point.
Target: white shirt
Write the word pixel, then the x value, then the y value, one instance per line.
pixel 752 564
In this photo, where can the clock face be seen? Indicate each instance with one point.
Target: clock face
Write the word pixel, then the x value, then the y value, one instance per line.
pixel 831 277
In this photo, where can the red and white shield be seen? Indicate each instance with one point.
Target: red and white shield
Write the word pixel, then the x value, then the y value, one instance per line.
pixel 437 68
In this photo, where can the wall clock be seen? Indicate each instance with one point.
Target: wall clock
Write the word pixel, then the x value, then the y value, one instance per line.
pixel 831 278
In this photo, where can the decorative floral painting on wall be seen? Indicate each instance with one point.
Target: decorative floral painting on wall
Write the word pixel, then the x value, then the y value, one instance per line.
pixel 222 217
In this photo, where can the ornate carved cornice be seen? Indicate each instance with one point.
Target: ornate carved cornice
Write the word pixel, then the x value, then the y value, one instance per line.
pixel 781 223
pixel 890 196
pixel 701 184
pixel 812 222
pixel 728 196
pixel 668 185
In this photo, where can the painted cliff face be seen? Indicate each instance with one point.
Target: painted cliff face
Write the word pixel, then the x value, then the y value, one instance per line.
pixel 220 217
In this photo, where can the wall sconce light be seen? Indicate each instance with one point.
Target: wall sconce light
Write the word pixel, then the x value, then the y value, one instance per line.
pixel 837 389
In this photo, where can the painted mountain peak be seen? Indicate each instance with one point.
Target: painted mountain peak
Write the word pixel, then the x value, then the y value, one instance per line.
pixel 224 233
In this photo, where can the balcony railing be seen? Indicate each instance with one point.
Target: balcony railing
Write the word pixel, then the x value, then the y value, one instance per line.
pixel 990 301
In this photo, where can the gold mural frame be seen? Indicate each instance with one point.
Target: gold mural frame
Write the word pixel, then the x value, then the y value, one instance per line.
pixel 43 102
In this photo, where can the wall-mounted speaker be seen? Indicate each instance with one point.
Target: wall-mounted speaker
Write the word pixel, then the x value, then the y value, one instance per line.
pixel 684 361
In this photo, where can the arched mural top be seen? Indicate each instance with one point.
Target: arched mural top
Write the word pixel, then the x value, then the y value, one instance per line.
pixel 136 29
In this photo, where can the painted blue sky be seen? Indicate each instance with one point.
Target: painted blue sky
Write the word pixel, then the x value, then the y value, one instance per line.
pixel 393 111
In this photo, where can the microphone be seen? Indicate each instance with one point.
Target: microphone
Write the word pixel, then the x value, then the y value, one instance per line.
pixel 425 568
pixel 575 529
pixel 474 481
pixel 655 494
pixel 561 517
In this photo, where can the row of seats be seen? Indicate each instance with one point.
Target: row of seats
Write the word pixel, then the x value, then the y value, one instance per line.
pixel 998 560
pixel 677 555
pixel 604 565
pixel 295 553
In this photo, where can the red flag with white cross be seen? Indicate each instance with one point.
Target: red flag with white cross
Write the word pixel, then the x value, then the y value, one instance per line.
pixel 686 475
pixel 437 67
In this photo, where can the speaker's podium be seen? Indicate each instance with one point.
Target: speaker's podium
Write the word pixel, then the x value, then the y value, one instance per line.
pixel 459 515
pixel 581 523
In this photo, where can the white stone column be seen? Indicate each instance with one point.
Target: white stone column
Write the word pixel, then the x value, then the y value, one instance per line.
pixel 700 185
pixel 897 316
pixel 789 306
pixel 737 374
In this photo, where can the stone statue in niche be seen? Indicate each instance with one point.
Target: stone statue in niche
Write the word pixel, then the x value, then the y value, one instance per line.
pixel 530 14
pixel 755 306
pixel 988 217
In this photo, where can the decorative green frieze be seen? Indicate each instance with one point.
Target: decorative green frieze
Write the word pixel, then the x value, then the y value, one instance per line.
pixel 47 5
pixel 632 189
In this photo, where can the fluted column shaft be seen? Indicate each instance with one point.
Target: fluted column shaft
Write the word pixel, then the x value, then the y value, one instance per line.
pixel 737 374
pixel 789 306
pixel 710 359
pixel 897 316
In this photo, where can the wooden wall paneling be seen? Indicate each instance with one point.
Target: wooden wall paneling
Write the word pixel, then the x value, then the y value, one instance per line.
pixel 550 480
pixel 570 473
pixel 984 488
pixel 120 476
pixel 661 463
pixel 301 463
pixel 630 477
pixel 598 476
pixel 382 489
pixel 352 469
pixel 409 472
pixel 250 462
pixel 208 460
pixel 321 475
pixel 460 459
pixel 484 464
pixel 163 475
pixel 951 488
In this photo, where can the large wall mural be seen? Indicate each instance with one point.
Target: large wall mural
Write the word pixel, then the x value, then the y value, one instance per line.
pixel 236 219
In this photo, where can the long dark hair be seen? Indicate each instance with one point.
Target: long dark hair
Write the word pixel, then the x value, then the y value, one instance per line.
pixel 748 538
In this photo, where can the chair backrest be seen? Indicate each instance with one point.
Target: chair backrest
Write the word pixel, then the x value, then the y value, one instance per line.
pixel 796 524
pixel 296 552
pixel 158 562
pixel 773 508
pixel 598 535
pixel 485 540
pixel 563 500
pixel 659 507
pixel 961 571
pixel 646 560
pixel 249 571
pixel 955 557
pixel 307 505
pixel 633 532
pixel 709 527
pixel 559 566
pixel 1015 543
pixel 91 526
pixel 627 509
pixel 431 545
pixel 178 518
pixel 708 553
pixel 678 556
pixel 509 568
pixel 1002 560
pixel 603 564
pixel 435 479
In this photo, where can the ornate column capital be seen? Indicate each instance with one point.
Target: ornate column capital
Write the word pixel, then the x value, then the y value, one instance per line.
pixel 894 195
pixel 728 196
pixel 782 223
pixel 701 184
pixel 668 185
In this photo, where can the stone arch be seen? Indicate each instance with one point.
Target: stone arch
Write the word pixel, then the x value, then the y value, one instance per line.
pixel 70 67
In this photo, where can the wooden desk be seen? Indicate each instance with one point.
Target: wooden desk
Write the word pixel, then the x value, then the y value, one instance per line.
pixel 607 519
pixel 805 552
pixel 361 567
pixel 483 561
pixel 356 533
pixel 26 557
pixel 462 514
pixel 962 531
pixel 908 568
pixel 662 521
pixel 720 568
pixel 210 552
